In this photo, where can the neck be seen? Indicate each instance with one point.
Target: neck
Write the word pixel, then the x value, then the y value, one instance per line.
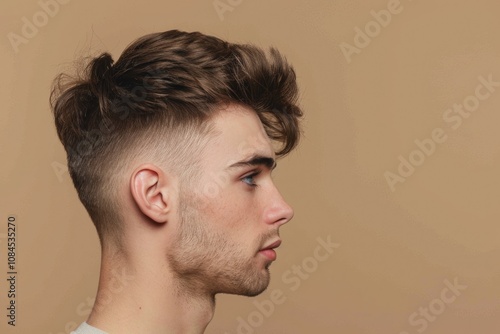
pixel 136 297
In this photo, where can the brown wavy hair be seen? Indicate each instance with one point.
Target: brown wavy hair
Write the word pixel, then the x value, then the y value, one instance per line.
pixel 158 96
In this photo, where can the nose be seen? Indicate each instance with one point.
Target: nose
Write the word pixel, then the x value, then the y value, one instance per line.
pixel 278 211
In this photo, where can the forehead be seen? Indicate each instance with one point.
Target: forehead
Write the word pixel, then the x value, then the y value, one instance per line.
pixel 239 134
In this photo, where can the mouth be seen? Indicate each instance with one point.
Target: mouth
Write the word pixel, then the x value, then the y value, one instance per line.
pixel 269 251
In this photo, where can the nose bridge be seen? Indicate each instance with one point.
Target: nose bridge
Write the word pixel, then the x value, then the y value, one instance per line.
pixel 278 210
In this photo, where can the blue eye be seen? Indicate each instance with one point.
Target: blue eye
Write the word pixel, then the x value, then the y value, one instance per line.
pixel 249 179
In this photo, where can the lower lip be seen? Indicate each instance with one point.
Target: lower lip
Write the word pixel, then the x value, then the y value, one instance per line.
pixel 269 253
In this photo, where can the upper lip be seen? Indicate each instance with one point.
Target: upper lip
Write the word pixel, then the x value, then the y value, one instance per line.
pixel 275 244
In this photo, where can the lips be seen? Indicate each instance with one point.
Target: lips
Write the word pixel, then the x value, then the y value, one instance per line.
pixel 275 244
pixel 269 252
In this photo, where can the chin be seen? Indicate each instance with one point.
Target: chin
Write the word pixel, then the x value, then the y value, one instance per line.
pixel 253 293
pixel 248 292
pixel 255 287
pixel 247 285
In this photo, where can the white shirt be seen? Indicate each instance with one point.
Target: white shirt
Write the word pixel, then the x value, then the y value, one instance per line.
pixel 85 328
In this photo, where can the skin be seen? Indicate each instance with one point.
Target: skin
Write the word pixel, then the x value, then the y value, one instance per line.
pixel 186 242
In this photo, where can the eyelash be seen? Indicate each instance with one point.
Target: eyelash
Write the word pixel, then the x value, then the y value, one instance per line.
pixel 251 176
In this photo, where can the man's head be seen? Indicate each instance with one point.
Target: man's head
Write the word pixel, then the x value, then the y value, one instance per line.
pixel 176 138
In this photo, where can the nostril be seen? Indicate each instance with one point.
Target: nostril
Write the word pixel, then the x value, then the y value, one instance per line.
pixel 286 214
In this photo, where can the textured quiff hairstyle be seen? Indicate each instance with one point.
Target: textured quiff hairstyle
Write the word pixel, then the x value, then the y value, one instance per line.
pixel 157 99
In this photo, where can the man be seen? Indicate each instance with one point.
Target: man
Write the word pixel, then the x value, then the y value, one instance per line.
pixel 171 151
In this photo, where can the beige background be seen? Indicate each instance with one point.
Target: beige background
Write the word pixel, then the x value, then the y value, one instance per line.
pixel 396 247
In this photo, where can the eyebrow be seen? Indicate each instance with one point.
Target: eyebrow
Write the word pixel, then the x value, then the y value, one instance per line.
pixel 256 160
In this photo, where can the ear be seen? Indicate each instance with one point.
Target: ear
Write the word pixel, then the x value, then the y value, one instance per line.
pixel 150 188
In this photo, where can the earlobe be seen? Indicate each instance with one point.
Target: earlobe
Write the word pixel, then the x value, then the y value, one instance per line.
pixel 148 186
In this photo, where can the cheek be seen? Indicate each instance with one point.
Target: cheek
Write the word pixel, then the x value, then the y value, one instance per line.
pixel 233 209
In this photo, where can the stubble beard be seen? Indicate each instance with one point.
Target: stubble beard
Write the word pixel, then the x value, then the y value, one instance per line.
pixel 205 260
